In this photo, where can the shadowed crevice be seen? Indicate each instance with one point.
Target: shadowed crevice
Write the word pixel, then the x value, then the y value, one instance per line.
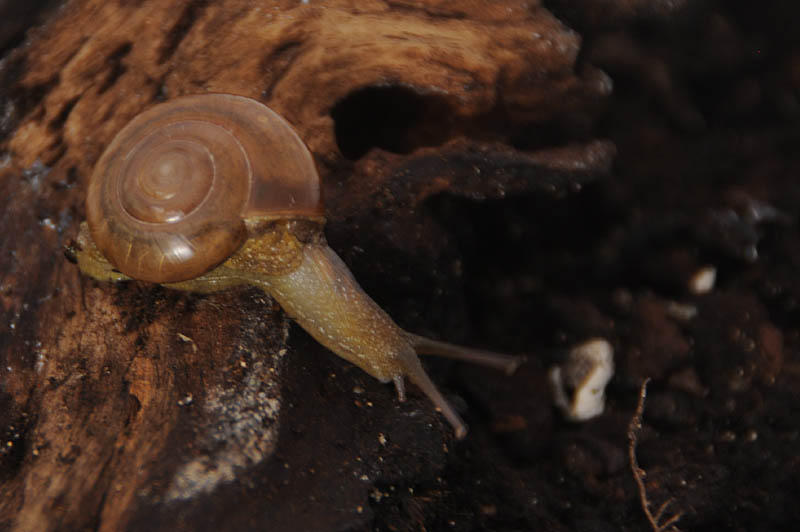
pixel 175 36
pixel 396 119
pixel 116 67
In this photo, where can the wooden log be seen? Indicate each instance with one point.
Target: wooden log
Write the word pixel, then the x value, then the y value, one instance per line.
pixel 137 407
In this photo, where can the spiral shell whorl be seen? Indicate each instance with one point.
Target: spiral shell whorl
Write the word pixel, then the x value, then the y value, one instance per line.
pixel 168 198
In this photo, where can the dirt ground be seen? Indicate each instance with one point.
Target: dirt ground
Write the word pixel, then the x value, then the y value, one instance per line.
pixel 704 118
pixel 704 115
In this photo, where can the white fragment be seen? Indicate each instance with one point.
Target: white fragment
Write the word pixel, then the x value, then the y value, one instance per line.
pixel 187 400
pixel 681 311
pixel 183 338
pixel 702 282
pixel 48 223
pixel 579 384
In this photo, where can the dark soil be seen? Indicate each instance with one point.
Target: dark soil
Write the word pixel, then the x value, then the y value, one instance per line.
pixel 705 116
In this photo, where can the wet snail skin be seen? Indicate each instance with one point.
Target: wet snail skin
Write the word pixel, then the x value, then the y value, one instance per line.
pixel 207 192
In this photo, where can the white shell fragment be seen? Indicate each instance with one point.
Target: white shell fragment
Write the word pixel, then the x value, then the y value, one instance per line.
pixel 702 282
pixel 579 383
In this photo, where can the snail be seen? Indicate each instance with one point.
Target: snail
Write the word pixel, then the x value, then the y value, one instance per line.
pixel 207 192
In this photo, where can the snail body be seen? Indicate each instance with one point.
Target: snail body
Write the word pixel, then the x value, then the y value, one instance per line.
pixel 207 192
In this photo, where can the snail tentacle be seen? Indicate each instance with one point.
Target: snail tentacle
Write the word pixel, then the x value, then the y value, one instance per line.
pixel 500 361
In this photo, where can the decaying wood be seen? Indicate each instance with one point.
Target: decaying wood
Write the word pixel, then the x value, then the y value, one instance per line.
pixel 134 406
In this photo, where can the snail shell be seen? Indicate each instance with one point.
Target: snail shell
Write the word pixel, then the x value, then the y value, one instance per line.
pixel 169 197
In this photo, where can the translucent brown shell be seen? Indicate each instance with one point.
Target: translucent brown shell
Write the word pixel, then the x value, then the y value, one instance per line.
pixel 168 198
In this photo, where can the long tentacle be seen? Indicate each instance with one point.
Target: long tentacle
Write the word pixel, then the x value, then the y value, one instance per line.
pixel 500 361
pixel 415 373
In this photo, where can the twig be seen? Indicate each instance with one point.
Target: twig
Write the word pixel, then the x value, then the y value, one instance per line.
pixel 639 473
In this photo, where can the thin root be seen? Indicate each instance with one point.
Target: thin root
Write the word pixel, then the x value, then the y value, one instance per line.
pixel 638 473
